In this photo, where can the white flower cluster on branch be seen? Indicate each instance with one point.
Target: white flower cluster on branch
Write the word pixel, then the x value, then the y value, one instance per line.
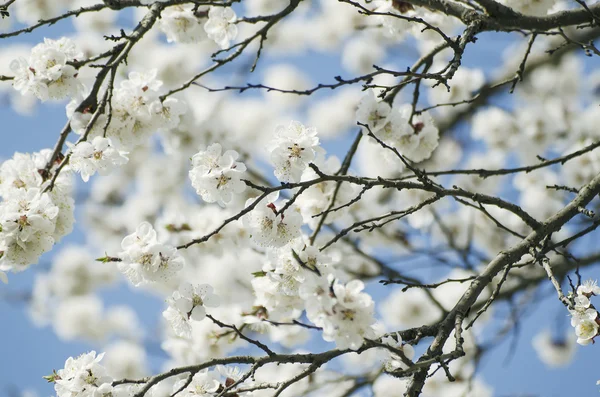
pixel 414 136
pixel 584 315
pixel 293 148
pixel 48 73
pixel 217 176
pixel 221 26
pixel 136 112
pixel 187 304
pixel 32 220
pixel 145 260
pixel 99 155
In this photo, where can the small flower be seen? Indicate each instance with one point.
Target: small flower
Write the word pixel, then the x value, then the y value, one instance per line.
pixel 46 73
pixel 82 376
pixel 395 361
pixel 187 304
pixel 582 302
pixel 345 313
pixel 194 298
pixel 270 229
pixel 586 330
pixel 145 260
pixel 293 148
pixel 99 156
pixel 424 129
pixel 27 228
pixel 181 25
pixel 231 374
pixel 215 176
pixel 585 315
pixel 372 113
pixel 220 26
pixel 588 288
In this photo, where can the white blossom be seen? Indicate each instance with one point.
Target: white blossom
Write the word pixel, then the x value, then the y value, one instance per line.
pixel 221 27
pixel 372 112
pixel 99 155
pixel 395 361
pixel 588 288
pixel 82 376
pixel 584 316
pixel 144 259
pixel 19 173
pixel 216 176
pixel 277 288
pixel 410 308
pixel 417 140
pixel 414 139
pixel 346 315
pixel 27 224
pixel 74 272
pixel 180 25
pixel 496 127
pixel 586 330
pixel 292 149
pixel 270 229
pixel 137 112
pixel 317 198
pixel 187 304
pixel 126 359
pixel 46 73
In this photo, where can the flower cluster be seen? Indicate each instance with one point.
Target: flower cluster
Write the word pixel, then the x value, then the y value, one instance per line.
pixel 216 176
pixel 345 313
pixel 181 25
pixel 137 112
pixel 221 26
pixel 27 226
pixel 584 316
pixel 99 155
pixel 187 304
pixel 301 279
pixel 292 149
pixel 270 228
pixel 298 278
pixel 415 136
pixel 145 260
pixel 48 72
pixel 82 376
pixel 277 287
pixel 31 219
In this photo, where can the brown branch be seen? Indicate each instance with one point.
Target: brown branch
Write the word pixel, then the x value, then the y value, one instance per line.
pixel 505 258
